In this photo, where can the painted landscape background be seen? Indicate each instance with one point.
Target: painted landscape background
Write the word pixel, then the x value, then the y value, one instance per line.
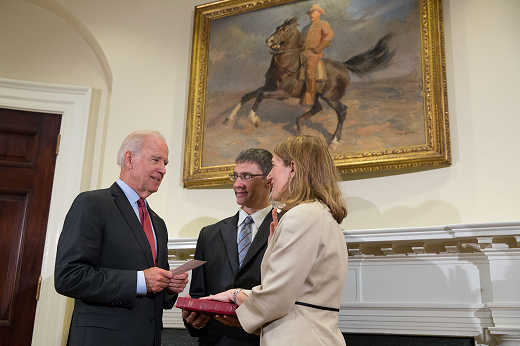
pixel 384 109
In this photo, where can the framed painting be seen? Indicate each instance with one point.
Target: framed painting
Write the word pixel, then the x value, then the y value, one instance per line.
pixel 378 98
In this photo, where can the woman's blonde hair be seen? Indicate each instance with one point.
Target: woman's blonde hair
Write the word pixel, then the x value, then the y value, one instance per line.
pixel 315 176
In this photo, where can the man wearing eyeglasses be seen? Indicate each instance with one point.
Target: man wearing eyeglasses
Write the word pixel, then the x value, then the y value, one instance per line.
pixel 233 248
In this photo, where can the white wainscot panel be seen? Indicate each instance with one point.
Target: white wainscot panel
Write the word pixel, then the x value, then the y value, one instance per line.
pixel 453 280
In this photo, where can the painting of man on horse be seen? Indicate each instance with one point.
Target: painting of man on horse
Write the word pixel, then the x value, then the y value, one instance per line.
pixel 381 84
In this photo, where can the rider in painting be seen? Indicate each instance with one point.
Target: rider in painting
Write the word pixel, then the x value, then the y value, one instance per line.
pixel 314 38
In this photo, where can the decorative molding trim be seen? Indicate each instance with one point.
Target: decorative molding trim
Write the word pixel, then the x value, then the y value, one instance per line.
pixel 179 249
pixel 438 241
pixel 448 232
pixel 506 336
pixel 502 254
pixel 468 320
pixel 421 259
pixel 483 229
pixel 173 319
pixel 505 314
pixel 396 234
pixel 181 244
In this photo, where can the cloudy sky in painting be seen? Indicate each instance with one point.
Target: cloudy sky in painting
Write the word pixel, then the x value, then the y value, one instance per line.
pixel 239 57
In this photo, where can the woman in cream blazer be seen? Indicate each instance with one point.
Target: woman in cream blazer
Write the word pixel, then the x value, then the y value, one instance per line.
pixel 305 265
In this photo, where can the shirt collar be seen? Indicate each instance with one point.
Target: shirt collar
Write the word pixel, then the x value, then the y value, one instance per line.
pixel 130 194
pixel 258 217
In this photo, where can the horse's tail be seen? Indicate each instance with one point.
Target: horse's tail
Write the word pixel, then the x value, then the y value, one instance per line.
pixel 372 59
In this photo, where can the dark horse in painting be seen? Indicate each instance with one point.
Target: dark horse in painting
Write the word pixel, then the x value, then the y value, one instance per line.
pixel 282 82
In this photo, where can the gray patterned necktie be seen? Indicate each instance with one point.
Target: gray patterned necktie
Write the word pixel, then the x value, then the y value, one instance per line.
pixel 245 237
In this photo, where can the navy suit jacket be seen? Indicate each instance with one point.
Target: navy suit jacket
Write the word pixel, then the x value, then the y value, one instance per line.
pixel 217 244
pixel 100 250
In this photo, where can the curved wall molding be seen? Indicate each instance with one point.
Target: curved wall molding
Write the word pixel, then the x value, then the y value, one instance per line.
pixel 83 31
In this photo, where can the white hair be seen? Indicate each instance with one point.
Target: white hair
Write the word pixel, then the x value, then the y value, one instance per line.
pixel 134 143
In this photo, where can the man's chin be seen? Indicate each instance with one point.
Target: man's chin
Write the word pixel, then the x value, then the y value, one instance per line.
pixel 154 188
pixel 241 198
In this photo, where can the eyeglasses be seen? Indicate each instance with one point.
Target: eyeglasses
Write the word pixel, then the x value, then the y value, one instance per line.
pixel 245 176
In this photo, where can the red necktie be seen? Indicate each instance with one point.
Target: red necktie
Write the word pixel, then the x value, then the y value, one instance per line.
pixel 147 225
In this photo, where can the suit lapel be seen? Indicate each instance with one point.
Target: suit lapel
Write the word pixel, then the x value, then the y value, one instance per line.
pixel 229 236
pixel 260 239
pixel 133 222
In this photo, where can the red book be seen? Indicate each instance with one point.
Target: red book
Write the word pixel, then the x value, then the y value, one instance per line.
pixel 207 307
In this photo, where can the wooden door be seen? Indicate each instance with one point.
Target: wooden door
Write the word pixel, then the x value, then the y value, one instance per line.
pixel 27 158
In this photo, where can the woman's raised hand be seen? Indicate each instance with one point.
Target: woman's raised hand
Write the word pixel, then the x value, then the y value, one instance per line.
pixel 273 225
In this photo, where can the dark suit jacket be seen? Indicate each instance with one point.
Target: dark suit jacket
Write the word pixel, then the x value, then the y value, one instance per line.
pixel 217 244
pixel 101 248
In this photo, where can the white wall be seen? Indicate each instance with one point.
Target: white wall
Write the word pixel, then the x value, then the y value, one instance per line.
pixel 147 46
pixel 136 56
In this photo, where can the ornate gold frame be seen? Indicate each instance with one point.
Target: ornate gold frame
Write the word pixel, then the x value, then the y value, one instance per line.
pixel 436 152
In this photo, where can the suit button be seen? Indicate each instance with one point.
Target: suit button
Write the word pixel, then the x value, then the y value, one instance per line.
pixel 152 320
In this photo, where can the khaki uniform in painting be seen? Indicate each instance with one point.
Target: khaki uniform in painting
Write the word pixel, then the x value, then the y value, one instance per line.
pixel 315 37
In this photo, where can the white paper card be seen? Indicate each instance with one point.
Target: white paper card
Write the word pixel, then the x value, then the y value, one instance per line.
pixel 187 266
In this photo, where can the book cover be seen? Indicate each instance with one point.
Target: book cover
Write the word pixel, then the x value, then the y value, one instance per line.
pixel 207 307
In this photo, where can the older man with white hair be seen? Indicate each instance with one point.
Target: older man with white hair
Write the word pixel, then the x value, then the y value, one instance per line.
pixel 112 254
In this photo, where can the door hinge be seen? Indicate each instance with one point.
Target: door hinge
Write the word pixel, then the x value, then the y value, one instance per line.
pixel 58 145
pixel 38 288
